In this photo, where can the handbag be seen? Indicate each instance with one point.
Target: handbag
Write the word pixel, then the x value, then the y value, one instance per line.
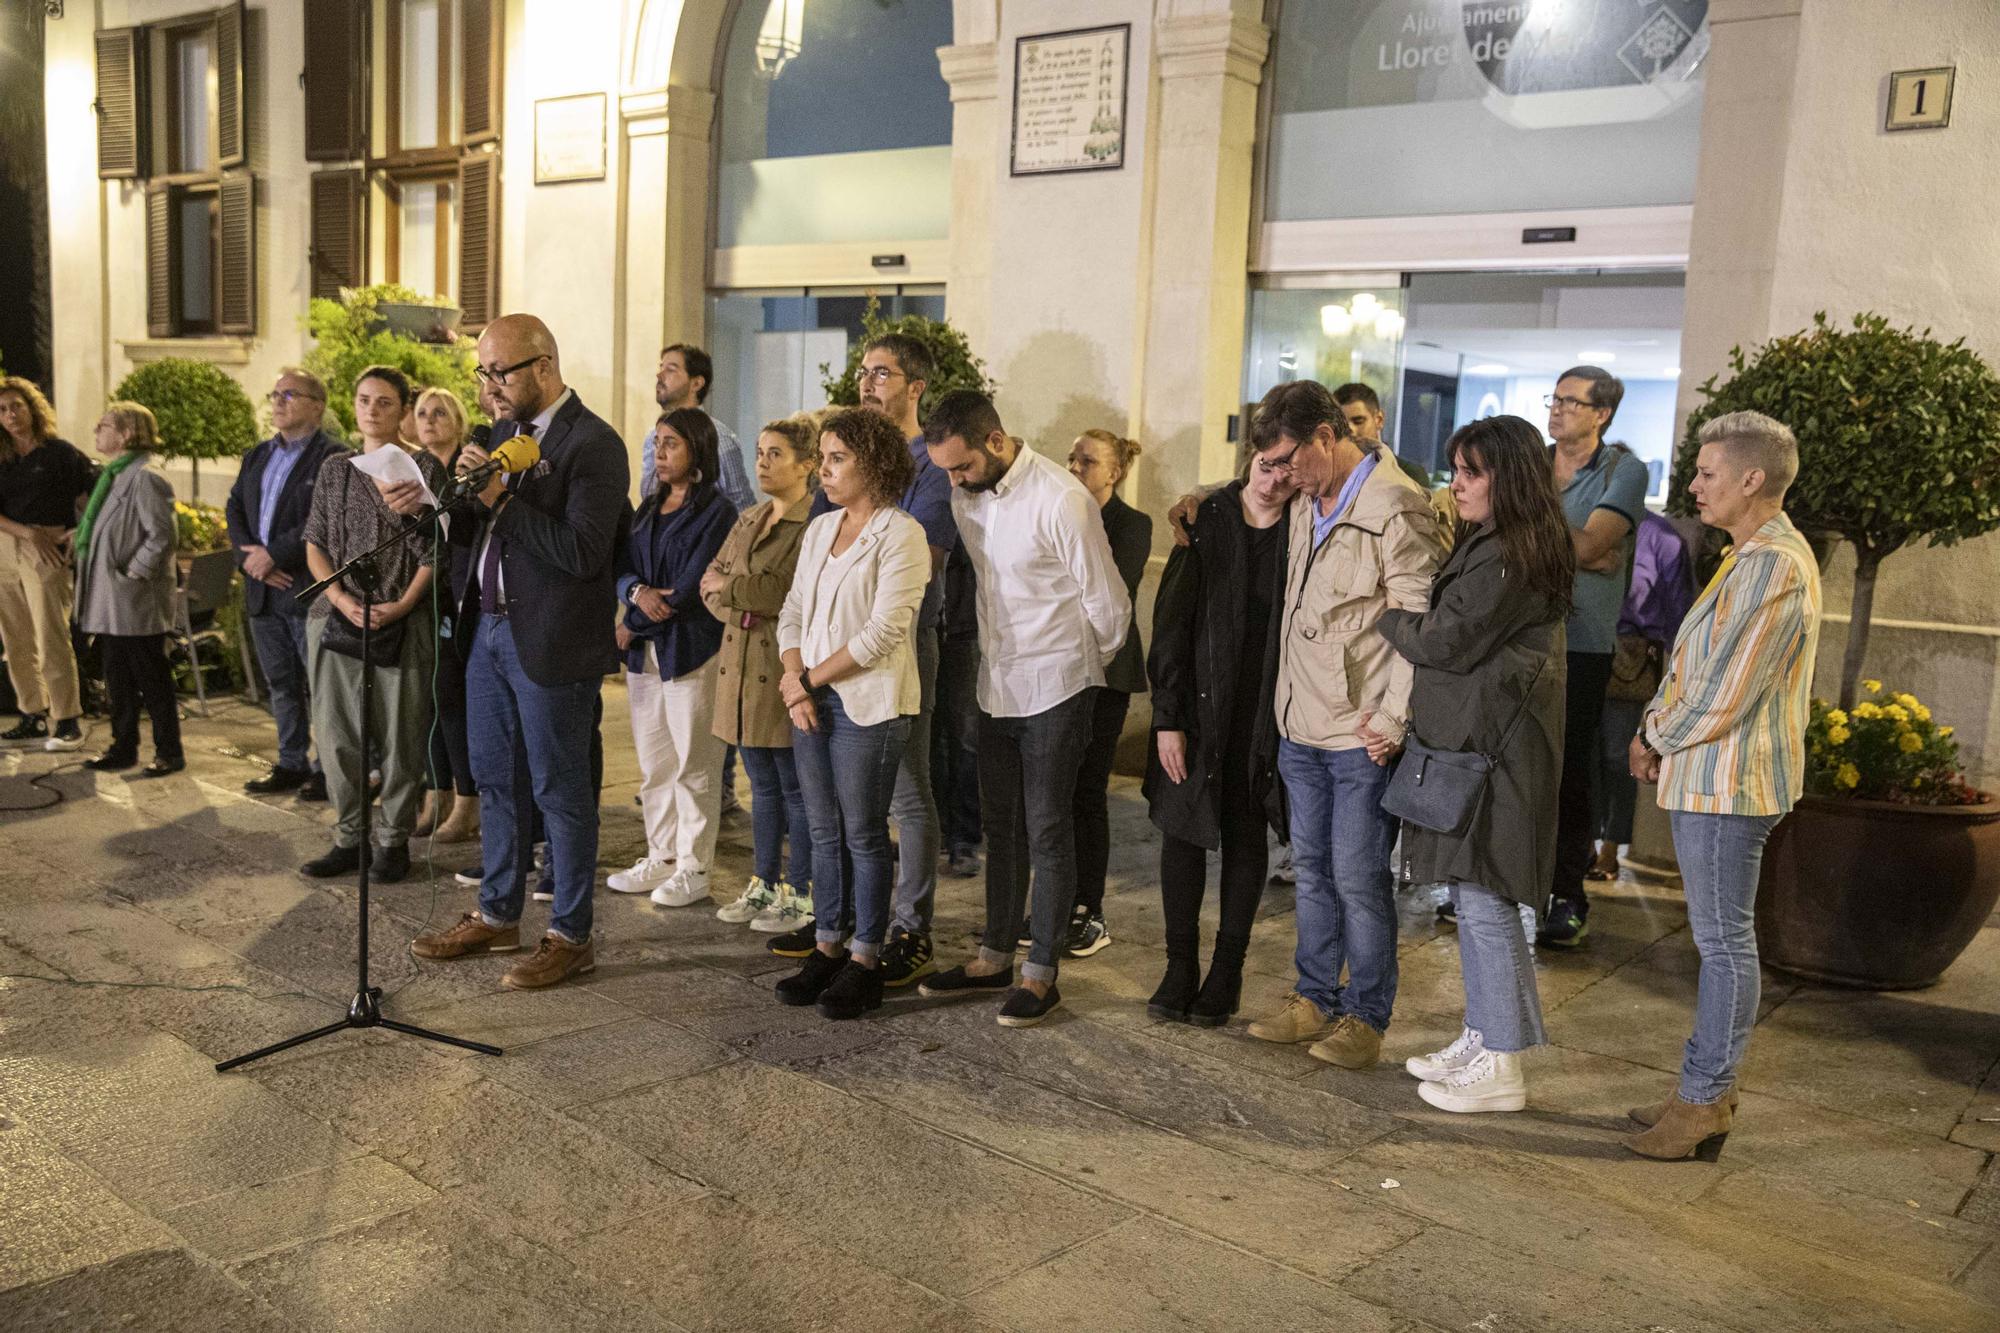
pixel 1635 670
pixel 1443 790
pixel 343 636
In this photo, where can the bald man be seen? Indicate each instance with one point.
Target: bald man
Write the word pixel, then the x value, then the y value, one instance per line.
pixel 536 610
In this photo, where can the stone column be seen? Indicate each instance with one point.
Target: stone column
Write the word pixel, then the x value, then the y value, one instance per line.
pixel 972 69
pixel 690 117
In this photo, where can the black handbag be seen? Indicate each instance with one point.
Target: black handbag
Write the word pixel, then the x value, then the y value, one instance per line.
pixel 343 636
pixel 1443 790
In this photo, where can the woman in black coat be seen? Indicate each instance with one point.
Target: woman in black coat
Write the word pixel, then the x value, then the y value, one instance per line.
pixel 1212 778
pixel 1489 659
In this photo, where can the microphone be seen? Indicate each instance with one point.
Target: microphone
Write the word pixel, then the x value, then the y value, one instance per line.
pixel 517 453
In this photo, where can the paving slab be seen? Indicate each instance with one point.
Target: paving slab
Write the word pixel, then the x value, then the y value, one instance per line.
pixel 280 1213
pixel 602 1061
pixel 162 1291
pixel 58 1216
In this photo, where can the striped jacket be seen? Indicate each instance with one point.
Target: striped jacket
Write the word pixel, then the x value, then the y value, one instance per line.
pixel 1729 720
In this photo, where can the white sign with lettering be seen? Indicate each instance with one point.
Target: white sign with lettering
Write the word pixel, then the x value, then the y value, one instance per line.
pixel 1069 100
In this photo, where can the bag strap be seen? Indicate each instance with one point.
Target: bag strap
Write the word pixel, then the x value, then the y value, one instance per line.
pixel 1521 713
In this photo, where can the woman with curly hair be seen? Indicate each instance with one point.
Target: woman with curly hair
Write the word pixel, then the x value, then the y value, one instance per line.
pixel 851 686
pixel 44 482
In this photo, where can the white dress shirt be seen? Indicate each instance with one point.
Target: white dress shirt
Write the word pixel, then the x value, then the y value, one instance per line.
pixel 1052 608
pixel 864 600
pixel 540 428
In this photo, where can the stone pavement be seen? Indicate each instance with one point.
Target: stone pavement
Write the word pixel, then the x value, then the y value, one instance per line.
pixel 667 1147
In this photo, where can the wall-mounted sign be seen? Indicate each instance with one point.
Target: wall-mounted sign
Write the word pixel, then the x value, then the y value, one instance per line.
pixel 1546 235
pixel 569 138
pixel 1920 99
pixel 1069 100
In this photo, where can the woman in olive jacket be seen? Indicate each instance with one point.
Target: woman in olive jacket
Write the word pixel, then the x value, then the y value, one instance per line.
pixel 1211 780
pixel 1489 679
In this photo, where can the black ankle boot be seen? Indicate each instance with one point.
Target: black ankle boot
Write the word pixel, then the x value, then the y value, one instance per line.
pixel 1223 989
pixel 1177 988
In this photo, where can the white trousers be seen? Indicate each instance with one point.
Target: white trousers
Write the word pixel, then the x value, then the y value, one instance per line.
pixel 680 762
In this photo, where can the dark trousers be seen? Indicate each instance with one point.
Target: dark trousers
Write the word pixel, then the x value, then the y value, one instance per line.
pixel 449 767
pixel 955 742
pixel 1576 826
pixel 136 672
pixel 1245 865
pixel 281 651
pixel 1093 807
pixel 1027 782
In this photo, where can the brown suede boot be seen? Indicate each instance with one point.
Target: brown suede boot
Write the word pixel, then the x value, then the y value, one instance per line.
pixel 462 824
pixel 1650 1115
pixel 555 959
pixel 1687 1130
pixel 430 814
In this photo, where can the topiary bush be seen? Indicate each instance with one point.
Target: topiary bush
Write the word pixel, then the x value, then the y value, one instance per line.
pixel 347 340
pixel 203 413
pixel 1896 437
pixel 953 364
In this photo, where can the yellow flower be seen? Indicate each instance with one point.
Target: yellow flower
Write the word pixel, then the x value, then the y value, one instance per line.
pixel 1848 776
pixel 1872 686
pixel 1835 718
pixel 1944 731
pixel 1921 713
pixel 1896 713
pixel 1837 735
pixel 1909 742
pixel 1916 782
pixel 1867 710
pixel 1907 700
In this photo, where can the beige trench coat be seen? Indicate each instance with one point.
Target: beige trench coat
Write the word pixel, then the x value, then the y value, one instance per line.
pixel 748 709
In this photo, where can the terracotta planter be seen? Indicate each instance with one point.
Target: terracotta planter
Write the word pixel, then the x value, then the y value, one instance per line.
pixel 1876 895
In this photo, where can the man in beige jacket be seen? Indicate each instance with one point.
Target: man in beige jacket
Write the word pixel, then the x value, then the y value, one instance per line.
pixel 1364 539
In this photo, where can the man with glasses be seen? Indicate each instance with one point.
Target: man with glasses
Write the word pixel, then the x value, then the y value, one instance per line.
pixel 267 510
pixel 683 380
pixel 1603 490
pixel 536 610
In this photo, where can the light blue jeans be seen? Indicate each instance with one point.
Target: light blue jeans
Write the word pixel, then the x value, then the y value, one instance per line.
pixel 1501 1002
pixel 1346 899
pixel 1720 856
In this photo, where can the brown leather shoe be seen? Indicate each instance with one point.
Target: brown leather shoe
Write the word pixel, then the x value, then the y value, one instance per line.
pixel 553 960
pixel 1352 1045
pixel 1298 1019
pixel 1687 1130
pixel 1650 1115
pixel 467 936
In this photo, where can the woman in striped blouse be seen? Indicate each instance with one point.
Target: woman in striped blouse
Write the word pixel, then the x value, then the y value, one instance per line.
pixel 1725 739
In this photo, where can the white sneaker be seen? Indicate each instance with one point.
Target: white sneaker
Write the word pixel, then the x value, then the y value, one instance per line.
pixel 791 910
pixel 1491 1082
pixel 1281 865
pixel 684 888
pixel 757 896
pixel 1437 1064
pixel 646 873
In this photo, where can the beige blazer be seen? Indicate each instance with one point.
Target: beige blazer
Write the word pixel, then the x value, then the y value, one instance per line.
pixel 870 609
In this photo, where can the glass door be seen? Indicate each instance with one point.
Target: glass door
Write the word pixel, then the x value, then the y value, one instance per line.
pixel 775 348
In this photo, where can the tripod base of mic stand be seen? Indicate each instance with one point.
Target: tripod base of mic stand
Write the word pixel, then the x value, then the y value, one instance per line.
pixel 365 1011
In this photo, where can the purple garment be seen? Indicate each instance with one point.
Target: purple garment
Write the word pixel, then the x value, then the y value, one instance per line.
pixel 1662 583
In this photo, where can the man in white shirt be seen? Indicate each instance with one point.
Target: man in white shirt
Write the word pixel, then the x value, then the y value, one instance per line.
pixel 1052 614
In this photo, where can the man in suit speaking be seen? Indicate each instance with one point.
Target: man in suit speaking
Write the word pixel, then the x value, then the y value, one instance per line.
pixel 536 611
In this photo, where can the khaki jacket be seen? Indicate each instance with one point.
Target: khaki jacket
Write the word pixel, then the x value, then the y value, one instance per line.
pixel 748 709
pixel 1333 667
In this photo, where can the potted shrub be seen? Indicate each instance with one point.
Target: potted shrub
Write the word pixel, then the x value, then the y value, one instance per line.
pixel 351 334
pixel 953 366
pixel 1890 863
pixel 202 412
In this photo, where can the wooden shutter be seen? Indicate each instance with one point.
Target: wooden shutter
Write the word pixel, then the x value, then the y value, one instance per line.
pixel 339 230
pixel 479 86
pixel 121 103
pixel 479 238
pixel 237 259
pixel 336 85
pixel 162 252
pixel 231 133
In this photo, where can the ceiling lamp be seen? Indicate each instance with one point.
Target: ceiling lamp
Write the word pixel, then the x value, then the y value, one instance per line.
pixel 1364 313
pixel 781 37
pixel 1335 321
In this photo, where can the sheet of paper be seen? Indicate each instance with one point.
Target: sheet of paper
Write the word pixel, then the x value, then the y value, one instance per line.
pixel 386 467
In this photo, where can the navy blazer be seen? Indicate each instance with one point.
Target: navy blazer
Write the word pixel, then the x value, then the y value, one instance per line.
pixel 287 543
pixel 561 537
pixel 686 640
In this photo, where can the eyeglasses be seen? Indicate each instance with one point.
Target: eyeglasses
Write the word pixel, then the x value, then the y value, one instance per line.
pixel 499 376
pixel 287 395
pixel 1281 464
pixel 1561 400
pixel 880 374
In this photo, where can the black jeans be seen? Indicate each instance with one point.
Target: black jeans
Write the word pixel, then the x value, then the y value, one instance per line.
pixel 1245 865
pixel 1576 826
pixel 1092 806
pixel 135 672
pixel 449 767
pixel 1027 779
pixel 954 742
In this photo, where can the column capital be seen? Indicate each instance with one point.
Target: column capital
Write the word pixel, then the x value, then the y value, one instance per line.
pixel 972 69
pixel 1212 46
pixel 690 111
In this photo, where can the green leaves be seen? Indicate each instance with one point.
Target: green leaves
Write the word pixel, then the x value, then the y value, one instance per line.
pixel 346 341
pixel 202 412
pixel 953 364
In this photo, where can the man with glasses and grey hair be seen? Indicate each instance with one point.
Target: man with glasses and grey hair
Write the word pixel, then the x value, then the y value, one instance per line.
pixel 267 510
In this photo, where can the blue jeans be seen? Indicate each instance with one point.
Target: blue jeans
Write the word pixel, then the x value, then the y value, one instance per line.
pixel 777 808
pixel 281 651
pixel 1720 856
pixel 848 775
pixel 1346 903
pixel 1501 1002
pixel 530 750
pixel 914 806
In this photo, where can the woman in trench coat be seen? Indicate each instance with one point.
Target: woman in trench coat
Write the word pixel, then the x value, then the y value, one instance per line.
pixel 1489 659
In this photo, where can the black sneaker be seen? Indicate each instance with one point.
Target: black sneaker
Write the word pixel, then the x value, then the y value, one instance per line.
pixel 958 981
pixel 111 761
pixel 471 878
pixel 962 863
pixel 313 788
pixel 1448 912
pixel 853 991
pixel 277 780
pixel 1025 936
pixel 389 865
pixel 794 944
pixel 1565 927
pixel 1024 1008
pixel 338 861
pixel 31 727
pixel 806 985
pixel 1087 934
pixel 905 958
pixel 67 736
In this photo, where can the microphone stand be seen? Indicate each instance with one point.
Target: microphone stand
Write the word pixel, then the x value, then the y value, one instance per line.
pixel 365 1009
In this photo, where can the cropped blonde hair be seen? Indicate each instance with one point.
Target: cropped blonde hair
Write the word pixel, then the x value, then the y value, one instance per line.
pixel 137 421
pixel 453 408
pixel 1757 441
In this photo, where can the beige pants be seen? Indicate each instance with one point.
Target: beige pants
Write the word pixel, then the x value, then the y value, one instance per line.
pixel 34 626
pixel 680 762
